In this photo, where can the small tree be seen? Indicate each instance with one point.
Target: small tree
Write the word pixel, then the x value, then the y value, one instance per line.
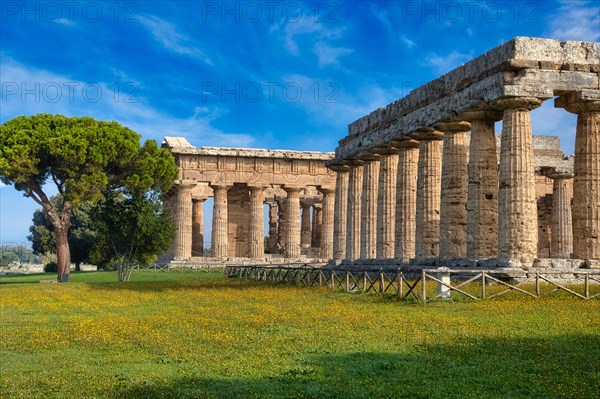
pixel 132 230
pixel 83 158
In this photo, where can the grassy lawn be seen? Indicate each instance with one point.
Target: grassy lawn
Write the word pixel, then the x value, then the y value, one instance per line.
pixel 199 335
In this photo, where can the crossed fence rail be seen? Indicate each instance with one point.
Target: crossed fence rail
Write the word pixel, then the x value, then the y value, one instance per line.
pixel 410 283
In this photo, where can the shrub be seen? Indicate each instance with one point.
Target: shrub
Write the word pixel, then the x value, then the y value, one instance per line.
pixel 51 267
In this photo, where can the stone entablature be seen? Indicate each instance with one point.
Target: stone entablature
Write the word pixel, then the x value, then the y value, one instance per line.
pixel 296 185
pixel 522 67
pixel 252 166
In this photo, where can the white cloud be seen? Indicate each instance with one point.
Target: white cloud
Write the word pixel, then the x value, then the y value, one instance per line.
pixel 328 55
pixel 445 63
pixel 409 43
pixel 576 20
pixel 310 33
pixel 167 35
pixel 55 94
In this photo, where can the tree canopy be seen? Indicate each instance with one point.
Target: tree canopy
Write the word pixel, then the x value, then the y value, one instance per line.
pixel 131 230
pixel 84 158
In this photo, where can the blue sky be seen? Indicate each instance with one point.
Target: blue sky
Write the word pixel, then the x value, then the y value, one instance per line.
pixel 268 74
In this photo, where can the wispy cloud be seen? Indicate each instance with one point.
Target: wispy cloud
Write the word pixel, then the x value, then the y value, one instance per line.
pixel 447 62
pixel 409 43
pixel 329 55
pixel 167 35
pixel 575 20
pixel 52 93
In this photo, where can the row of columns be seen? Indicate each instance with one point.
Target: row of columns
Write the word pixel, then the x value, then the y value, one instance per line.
pixel 190 233
pixel 410 200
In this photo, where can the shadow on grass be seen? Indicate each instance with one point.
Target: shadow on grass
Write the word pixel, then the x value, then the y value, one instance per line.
pixel 557 367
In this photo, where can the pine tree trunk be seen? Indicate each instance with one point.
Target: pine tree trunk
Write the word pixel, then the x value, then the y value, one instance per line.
pixel 77 266
pixel 63 253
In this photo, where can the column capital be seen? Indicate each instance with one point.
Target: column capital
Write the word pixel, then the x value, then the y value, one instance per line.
pixel 326 190
pixel 524 103
pixel 579 101
pixel 184 184
pixel 427 134
pixel 368 157
pixel 455 126
pixel 198 199
pixel 292 189
pixel 387 150
pixel 356 162
pixel 409 143
pixel 342 166
pixel 560 174
pixel 481 114
pixel 254 189
pixel 220 186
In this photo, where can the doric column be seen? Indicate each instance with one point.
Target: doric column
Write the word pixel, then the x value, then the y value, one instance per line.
pixel 355 183
pixel 586 184
pixel 198 227
pixel 305 233
pixel 292 233
pixel 453 205
pixel 386 203
pixel 317 220
pixel 482 202
pixel 368 227
pixel 406 199
pixel 561 244
pixel 220 222
pixel 326 239
pixel 517 209
pixel 341 206
pixel 272 240
pixel 256 231
pixel 428 193
pixel 183 221
pixel 282 225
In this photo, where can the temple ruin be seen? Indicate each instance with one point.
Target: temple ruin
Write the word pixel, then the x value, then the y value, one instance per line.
pixel 413 185
pixel 296 185
pixel 422 181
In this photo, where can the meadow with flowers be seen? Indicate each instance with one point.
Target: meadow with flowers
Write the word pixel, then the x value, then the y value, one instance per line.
pixel 201 335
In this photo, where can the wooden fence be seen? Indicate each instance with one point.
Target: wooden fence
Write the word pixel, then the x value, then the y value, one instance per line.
pixel 411 283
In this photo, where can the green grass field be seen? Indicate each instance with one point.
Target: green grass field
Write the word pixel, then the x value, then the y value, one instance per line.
pixel 199 335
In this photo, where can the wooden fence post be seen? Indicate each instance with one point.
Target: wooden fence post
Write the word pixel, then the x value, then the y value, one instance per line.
pixel 424 286
pixel 482 285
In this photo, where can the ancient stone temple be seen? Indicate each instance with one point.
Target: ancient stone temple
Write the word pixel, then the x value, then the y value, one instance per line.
pixel 424 177
pixel 293 190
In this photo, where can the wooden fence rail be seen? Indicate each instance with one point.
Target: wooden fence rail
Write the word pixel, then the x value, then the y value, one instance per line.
pixel 410 283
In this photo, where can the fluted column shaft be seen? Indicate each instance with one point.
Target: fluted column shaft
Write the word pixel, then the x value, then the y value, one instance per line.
pixel 339 219
pixel 326 238
pixel 453 205
pixel 353 213
pixel 256 231
pixel 183 238
pixel 368 228
pixel 386 204
pixel 292 233
pixel 586 184
pixel 198 227
pixel 561 244
pixel 305 233
pixel 317 222
pixel 220 222
pixel 482 202
pixel 517 209
pixel 406 200
pixel 272 240
pixel 428 194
